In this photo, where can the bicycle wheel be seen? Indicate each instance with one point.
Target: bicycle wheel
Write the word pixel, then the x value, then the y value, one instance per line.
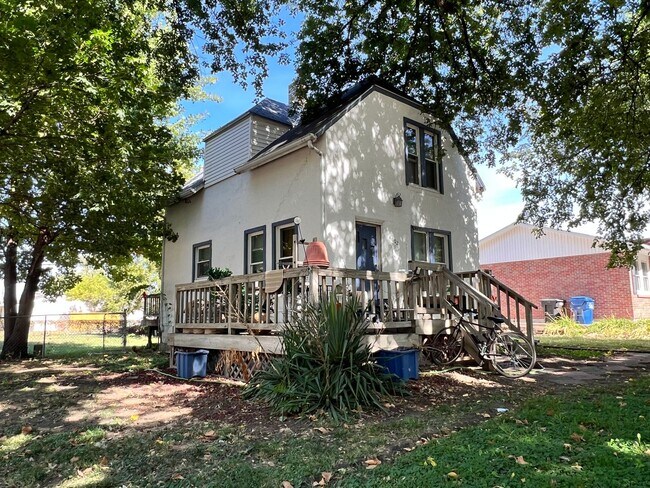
pixel 512 354
pixel 445 347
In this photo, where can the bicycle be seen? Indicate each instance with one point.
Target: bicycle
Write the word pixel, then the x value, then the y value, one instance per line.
pixel 508 352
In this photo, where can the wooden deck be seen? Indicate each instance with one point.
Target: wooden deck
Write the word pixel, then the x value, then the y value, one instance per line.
pixel 247 312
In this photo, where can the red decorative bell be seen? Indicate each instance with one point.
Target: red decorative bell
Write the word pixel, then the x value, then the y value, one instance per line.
pixel 316 255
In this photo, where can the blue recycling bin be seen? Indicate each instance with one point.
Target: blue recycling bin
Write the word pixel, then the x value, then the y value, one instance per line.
pixel 403 363
pixel 583 309
pixel 191 364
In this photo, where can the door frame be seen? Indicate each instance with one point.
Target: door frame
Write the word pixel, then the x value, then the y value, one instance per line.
pixel 377 226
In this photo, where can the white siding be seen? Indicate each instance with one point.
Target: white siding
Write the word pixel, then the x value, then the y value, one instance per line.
pixel 226 151
pixel 264 132
pixel 364 168
pixel 518 243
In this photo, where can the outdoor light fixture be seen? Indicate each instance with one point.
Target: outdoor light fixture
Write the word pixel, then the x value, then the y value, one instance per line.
pixel 397 200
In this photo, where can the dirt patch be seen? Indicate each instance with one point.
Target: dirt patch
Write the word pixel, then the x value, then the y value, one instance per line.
pixel 52 396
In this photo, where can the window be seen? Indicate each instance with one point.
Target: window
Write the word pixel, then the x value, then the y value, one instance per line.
pixel 255 250
pixel 284 242
pixel 201 259
pixel 641 276
pixel 423 163
pixel 431 245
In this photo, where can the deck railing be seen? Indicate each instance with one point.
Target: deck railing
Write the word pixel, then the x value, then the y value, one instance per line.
pixel 151 305
pixel 517 310
pixel 261 303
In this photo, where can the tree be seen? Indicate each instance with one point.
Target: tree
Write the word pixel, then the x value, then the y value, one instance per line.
pixel 559 89
pixel 88 156
pixel 117 289
pixel 587 152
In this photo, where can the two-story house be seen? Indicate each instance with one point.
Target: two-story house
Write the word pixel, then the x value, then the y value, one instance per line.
pixel 373 178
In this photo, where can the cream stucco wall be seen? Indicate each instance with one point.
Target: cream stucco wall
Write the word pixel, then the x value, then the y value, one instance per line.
pixel 221 213
pixel 360 171
pixel 363 169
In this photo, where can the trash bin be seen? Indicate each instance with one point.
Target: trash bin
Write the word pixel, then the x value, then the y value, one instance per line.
pixel 403 363
pixel 191 364
pixel 552 308
pixel 583 309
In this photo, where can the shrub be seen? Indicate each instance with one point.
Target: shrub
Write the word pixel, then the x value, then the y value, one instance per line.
pixel 218 273
pixel 326 366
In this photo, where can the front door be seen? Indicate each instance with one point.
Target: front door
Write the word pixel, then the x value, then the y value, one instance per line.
pixel 367 247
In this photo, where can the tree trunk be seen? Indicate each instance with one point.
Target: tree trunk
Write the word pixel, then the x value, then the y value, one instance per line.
pixel 15 345
pixel 10 288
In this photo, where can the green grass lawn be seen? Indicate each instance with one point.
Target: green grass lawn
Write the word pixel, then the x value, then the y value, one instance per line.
pixel 75 344
pixel 592 438
pixel 604 335
pixel 589 437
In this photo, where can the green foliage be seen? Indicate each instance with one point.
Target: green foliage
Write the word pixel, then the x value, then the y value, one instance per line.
pixel 560 91
pixel 326 366
pixel 118 289
pixel 218 273
pixel 586 157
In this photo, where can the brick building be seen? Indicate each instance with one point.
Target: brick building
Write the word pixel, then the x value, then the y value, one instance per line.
pixel 562 264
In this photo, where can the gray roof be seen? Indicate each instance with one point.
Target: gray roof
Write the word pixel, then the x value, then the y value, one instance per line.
pixel 192 186
pixel 272 110
pixel 268 108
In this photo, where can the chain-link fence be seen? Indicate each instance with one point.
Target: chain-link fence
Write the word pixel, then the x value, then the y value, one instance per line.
pixel 77 334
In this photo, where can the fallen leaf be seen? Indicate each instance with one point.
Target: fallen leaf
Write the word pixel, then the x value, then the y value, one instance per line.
pixel 286 484
pixel 327 476
pixel 27 429
pixel 577 437
pixel 134 417
pixel 209 433
pixel 486 415
pixel 74 459
pixel 372 462
pixel 318 483
pixel 565 459
pixel 520 460
pixel 430 462
pixel 103 461
pixel 582 428
pixel 577 467
pixel 453 475
pixel 322 430
pixel 567 447
pixel 550 412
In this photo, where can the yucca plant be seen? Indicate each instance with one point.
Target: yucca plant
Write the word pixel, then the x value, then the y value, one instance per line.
pixel 326 366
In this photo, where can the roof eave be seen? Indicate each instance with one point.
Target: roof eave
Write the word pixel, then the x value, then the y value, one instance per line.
pixel 254 163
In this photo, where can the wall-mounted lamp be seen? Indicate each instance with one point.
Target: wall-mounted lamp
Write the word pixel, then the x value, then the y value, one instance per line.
pixel 397 200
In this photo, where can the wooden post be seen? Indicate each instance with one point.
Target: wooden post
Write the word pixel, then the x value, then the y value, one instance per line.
pixel 529 324
pixel 313 285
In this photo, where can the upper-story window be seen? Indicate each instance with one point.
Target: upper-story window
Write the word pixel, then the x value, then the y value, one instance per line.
pixel 201 259
pixel 423 162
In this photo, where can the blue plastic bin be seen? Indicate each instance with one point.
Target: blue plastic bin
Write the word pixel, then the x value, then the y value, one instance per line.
pixel 583 309
pixel 401 362
pixel 191 364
